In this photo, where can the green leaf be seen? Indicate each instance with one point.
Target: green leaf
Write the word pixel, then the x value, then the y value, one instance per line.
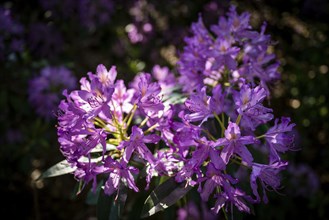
pixel 77 189
pixel 99 148
pixel 58 169
pixel 173 98
pixel 165 195
pixel 118 206
pixel 109 207
pixel 92 197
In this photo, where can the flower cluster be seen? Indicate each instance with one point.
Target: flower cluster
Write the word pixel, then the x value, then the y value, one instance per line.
pixel 126 134
pixel 232 51
pixel 44 89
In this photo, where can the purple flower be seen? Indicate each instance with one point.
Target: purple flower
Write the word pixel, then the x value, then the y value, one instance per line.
pixel 95 97
pixel 216 103
pixel 279 139
pixel 192 61
pixel 185 135
pixel 233 142
pixel 137 143
pixel 92 139
pixel 165 78
pixel 198 104
pixel 45 89
pixel 224 54
pixel 203 106
pixel 70 116
pixel 149 100
pixel 236 25
pixel 268 176
pixel 249 105
pixel 207 60
pixel 215 178
pixel 166 164
pixel 87 172
pixel 122 98
pixel 119 171
pixel 134 34
pixel 203 151
pixel 234 196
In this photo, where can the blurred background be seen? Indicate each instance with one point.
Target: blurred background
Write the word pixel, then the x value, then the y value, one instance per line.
pixel 48 45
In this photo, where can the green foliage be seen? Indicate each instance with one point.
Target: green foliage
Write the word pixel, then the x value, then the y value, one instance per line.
pixel 165 195
pixel 58 169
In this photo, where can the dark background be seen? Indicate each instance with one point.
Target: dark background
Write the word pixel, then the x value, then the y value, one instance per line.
pixel 29 144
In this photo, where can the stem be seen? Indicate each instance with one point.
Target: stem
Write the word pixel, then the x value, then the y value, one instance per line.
pixel 223 209
pixel 113 141
pixel 223 120
pixel 99 122
pixel 220 122
pixel 130 118
pixel 239 162
pixel 151 128
pixel 238 119
pixel 261 136
pixel 225 214
pixel 209 135
pixel 144 121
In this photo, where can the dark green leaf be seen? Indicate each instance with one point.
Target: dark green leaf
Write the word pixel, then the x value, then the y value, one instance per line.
pixel 58 169
pixel 118 206
pixel 110 207
pixel 92 197
pixel 165 195
pixel 77 189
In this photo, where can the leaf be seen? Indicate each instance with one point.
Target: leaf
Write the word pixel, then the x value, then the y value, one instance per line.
pixel 165 195
pixel 99 148
pixel 77 189
pixel 58 169
pixel 104 205
pixel 92 197
pixel 110 209
pixel 118 206
pixel 174 98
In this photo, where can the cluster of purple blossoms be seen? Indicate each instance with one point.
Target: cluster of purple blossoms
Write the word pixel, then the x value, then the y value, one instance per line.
pixel 232 51
pixel 226 74
pixel 45 89
pixel 126 134
pixel 98 133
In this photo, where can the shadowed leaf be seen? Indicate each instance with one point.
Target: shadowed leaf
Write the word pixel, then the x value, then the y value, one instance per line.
pixel 165 195
pixel 58 169
pixel 110 209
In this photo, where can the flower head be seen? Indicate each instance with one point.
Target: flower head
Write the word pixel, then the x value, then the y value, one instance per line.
pixel 234 143
pixel 249 105
pixel 279 138
pixel 45 89
pixel 268 176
